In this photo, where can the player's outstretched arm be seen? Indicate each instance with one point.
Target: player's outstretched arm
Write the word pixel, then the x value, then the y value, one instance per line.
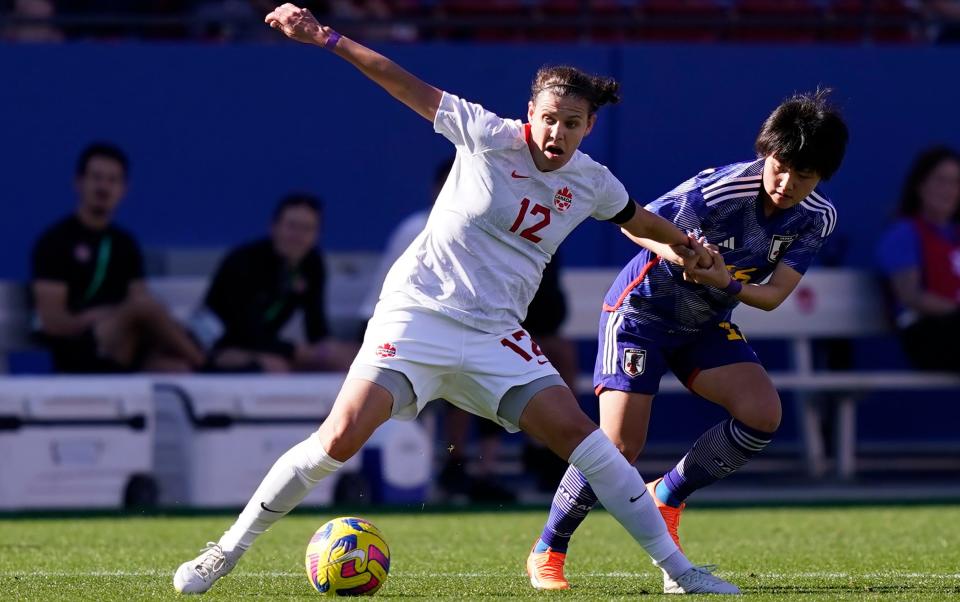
pixel 299 24
pixel 661 236
pixel 680 255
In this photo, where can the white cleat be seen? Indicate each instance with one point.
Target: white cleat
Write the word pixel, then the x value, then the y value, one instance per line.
pixel 198 575
pixel 698 580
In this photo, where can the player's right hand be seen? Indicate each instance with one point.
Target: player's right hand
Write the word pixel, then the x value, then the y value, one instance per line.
pixel 694 254
pixel 298 24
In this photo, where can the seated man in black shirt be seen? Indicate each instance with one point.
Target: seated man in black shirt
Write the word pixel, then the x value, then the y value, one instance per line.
pixel 93 306
pixel 259 286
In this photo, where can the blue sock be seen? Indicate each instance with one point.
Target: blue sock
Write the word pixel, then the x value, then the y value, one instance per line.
pixel 717 453
pixel 571 503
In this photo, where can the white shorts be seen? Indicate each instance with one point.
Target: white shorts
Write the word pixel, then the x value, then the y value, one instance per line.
pixel 443 359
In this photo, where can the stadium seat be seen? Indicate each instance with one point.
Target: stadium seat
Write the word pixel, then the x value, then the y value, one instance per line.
pixel 777 21
pixel 873 20
pixel 614 20
pixel 682 20
pixel 489 17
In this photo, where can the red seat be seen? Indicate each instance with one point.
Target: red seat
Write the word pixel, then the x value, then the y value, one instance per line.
pixel 877 20
pixel 683 20
pixel 777 21
pixel 483 20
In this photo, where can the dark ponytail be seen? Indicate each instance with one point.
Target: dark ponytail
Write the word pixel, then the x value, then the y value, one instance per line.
pixel 562 81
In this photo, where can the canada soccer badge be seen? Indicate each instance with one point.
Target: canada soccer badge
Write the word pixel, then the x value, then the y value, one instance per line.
pixel 563 199
pixel 634 362
pixel 386 350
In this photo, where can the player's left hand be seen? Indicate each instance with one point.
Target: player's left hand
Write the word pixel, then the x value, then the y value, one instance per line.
pixel 704 250
pixel 693 254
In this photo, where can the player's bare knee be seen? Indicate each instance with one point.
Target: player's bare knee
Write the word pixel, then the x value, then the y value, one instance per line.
pixel 340 441
pixel 630 449
pixel 565 436
pixel 764 416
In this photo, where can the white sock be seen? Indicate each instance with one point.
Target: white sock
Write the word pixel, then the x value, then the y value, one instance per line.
pixel 616 483
pixel 290 479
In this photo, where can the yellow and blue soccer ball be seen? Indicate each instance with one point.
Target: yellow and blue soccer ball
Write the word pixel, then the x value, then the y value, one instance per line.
pixel 347 556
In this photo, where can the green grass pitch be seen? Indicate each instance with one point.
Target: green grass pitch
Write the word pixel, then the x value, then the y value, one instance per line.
pixel 848 553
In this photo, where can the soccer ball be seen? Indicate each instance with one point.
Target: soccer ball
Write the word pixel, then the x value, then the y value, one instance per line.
pixel 347 556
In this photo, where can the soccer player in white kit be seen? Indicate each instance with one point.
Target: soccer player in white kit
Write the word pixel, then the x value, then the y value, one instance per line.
pixel 447 323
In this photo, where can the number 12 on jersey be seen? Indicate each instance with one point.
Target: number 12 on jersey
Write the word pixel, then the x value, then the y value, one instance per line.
pixel 519 336
pixel 537 209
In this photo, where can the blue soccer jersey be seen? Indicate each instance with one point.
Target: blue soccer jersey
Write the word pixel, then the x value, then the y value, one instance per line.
pixel 724 206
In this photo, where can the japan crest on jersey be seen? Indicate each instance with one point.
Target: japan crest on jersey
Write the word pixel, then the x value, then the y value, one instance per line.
pixel 778 245
pixel 563 199
pixel 634 361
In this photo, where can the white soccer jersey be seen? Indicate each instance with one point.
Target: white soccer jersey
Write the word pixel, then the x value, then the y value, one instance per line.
pixel 497 222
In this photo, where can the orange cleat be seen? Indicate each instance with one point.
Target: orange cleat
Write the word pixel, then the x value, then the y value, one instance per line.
pixel 670 515
pixel 546 569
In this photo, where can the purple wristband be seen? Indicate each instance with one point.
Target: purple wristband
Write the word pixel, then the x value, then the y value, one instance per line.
pixel 734 287
pixel 331 42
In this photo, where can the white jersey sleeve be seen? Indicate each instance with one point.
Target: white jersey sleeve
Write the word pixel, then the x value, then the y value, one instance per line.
pixel 612 197
pixel 472 128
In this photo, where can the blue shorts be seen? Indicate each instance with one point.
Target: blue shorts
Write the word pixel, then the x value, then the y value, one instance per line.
pixel 632 356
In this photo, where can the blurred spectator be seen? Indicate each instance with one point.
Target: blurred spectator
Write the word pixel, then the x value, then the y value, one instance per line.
pixel 112 19
pixel 32 28
pixel 399 240
pixel 231 20
pixel 94 310
pixel 499 20
pixel 943 17
pixel 545 316
pixel 370 10
pixel 257 289
pixel 920 258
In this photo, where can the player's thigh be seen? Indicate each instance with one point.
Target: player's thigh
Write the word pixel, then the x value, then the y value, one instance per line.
pixel 553 417
pixel 631 357
pixel 420 346
pixel 360 407
pixel 721 366
pixel 625 417
pixel 562 353
pixel 499 375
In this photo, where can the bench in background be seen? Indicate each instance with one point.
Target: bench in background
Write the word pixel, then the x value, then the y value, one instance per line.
pixel 828 303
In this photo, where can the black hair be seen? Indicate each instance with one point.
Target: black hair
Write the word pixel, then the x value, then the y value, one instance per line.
pixel 806 132
pixel 563 80
pixel 923 164
pixel 102 149
pixel 298 199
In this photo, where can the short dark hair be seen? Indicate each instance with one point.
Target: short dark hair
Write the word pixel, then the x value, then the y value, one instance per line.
pixel 102 149
pixel 298 199
pixel 806 132
pixel 923 164
pixel 563 80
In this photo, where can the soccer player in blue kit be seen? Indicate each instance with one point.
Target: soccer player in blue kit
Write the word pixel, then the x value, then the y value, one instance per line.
pixel 764 221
